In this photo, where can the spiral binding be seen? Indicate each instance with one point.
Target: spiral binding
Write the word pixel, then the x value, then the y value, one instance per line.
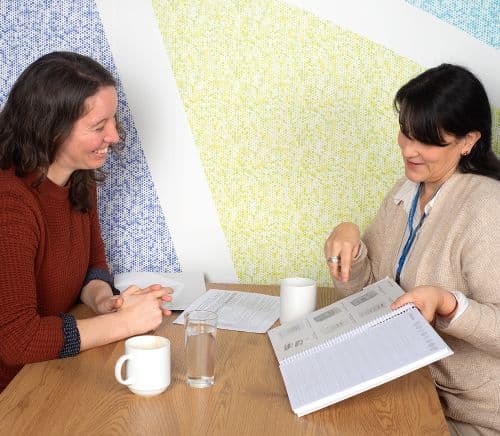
pixel 347 335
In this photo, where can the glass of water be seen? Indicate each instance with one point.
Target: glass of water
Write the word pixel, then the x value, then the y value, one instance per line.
pixel 200 332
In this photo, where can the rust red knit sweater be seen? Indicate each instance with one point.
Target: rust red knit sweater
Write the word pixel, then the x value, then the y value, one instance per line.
pixel 46 250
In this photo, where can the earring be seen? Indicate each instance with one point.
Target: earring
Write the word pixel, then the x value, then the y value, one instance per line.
pixel 465 153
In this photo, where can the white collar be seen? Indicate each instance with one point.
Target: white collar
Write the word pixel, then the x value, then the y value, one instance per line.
pixel 406 194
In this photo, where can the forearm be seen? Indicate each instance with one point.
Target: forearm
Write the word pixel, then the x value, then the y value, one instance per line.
pixel 139 313
pixel 102 330
pixel 479 326
pixel 372 244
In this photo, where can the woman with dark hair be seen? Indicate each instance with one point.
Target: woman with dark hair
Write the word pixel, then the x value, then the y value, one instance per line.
pixel 437 233
pixel 56 128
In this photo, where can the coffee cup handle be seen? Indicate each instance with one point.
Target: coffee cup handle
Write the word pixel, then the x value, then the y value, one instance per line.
pixel 118 369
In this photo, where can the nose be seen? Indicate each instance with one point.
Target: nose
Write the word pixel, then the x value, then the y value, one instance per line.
pixel 112 135
pixel 407 145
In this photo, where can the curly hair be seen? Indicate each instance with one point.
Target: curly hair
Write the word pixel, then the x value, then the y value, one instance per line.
pixel 41 109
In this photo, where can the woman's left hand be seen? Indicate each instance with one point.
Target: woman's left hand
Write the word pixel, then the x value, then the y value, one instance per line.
pixel 430 300
pixel 109 304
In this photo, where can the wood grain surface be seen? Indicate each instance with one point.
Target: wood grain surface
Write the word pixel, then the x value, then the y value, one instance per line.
pixel 79 395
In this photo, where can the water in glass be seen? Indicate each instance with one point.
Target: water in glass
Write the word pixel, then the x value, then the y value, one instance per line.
pixel 200 354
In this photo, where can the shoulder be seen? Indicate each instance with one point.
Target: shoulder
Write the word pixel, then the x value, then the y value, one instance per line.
pixel 15 190
pixel 475 191
pixel 472 203
pixel 9 182
pixel 399 190
pixel 403 181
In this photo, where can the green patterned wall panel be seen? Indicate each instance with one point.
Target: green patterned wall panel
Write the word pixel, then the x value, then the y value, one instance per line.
pixel 292 116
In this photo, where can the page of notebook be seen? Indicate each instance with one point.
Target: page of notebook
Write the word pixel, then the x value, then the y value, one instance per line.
pixel 330 373
pixel 336 319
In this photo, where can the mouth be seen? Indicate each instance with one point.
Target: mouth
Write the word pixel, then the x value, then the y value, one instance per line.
pixel 413 164
pixel 101 152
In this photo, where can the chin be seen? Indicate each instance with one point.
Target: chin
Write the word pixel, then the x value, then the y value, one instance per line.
pixel 412 177
pixel 96 164
pixel 416 178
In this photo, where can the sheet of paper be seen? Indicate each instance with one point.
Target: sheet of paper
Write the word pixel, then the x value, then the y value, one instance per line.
pixel 187 286
pixel 237 310
pixel 333 320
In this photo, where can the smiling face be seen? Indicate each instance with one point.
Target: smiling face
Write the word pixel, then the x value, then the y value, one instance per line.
pixel 88 143
pixel 432 165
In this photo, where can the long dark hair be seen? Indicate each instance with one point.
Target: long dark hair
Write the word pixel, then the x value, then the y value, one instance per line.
pixel 449 99
pixel 42 107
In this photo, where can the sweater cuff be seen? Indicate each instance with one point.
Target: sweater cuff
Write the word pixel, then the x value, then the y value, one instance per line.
pixel 100 274
pixel 71 336
pixel 360 274
pixel 358 263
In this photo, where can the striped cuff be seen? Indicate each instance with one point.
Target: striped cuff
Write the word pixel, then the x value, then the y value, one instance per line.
pixel 101 274
pixel 71 335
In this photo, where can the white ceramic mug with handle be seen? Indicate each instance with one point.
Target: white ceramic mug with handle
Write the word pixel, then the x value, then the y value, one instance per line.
pixel 148 365
pixel 297 298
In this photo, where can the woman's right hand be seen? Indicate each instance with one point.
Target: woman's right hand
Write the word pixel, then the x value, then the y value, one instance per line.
pixel 341 247
pixel 135 312
pixel 142 307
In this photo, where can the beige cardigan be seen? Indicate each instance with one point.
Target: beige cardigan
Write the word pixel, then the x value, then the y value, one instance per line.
pixel 458 248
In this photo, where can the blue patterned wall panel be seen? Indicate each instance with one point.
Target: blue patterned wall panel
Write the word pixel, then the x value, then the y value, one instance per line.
pixel 479 18
pixel 133 224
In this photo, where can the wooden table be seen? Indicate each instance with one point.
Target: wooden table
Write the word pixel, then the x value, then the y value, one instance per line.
pixel 79 396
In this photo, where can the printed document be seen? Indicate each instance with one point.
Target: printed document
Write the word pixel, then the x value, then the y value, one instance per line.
pixel 237 310
pixel 333 320
pixel 186 286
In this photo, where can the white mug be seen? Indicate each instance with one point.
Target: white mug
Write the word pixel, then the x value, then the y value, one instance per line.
pixel 148 365
pixel 297 298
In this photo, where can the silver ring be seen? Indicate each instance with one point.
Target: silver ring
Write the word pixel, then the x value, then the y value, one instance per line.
pixel 333 259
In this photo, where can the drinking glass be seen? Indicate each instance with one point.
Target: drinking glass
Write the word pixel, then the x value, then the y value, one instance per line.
pixel 200 333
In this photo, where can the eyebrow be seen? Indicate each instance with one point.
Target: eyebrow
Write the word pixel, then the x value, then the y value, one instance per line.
pixel 103 120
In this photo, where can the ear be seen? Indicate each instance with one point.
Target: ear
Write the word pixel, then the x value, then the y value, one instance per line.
pixel 470 140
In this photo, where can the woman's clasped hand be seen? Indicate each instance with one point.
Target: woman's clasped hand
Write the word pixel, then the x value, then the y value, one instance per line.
pixel 144 307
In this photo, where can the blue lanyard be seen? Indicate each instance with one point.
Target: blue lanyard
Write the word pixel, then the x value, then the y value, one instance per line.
pixel 411 236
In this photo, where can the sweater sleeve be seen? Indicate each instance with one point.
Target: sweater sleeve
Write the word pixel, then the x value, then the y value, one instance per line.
pixel 97 253
pixel 98 267
pixel 479 324
pixel 362 272
pixel 25 335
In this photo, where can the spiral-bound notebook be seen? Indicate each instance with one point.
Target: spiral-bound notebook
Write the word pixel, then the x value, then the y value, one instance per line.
pixel 370 354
